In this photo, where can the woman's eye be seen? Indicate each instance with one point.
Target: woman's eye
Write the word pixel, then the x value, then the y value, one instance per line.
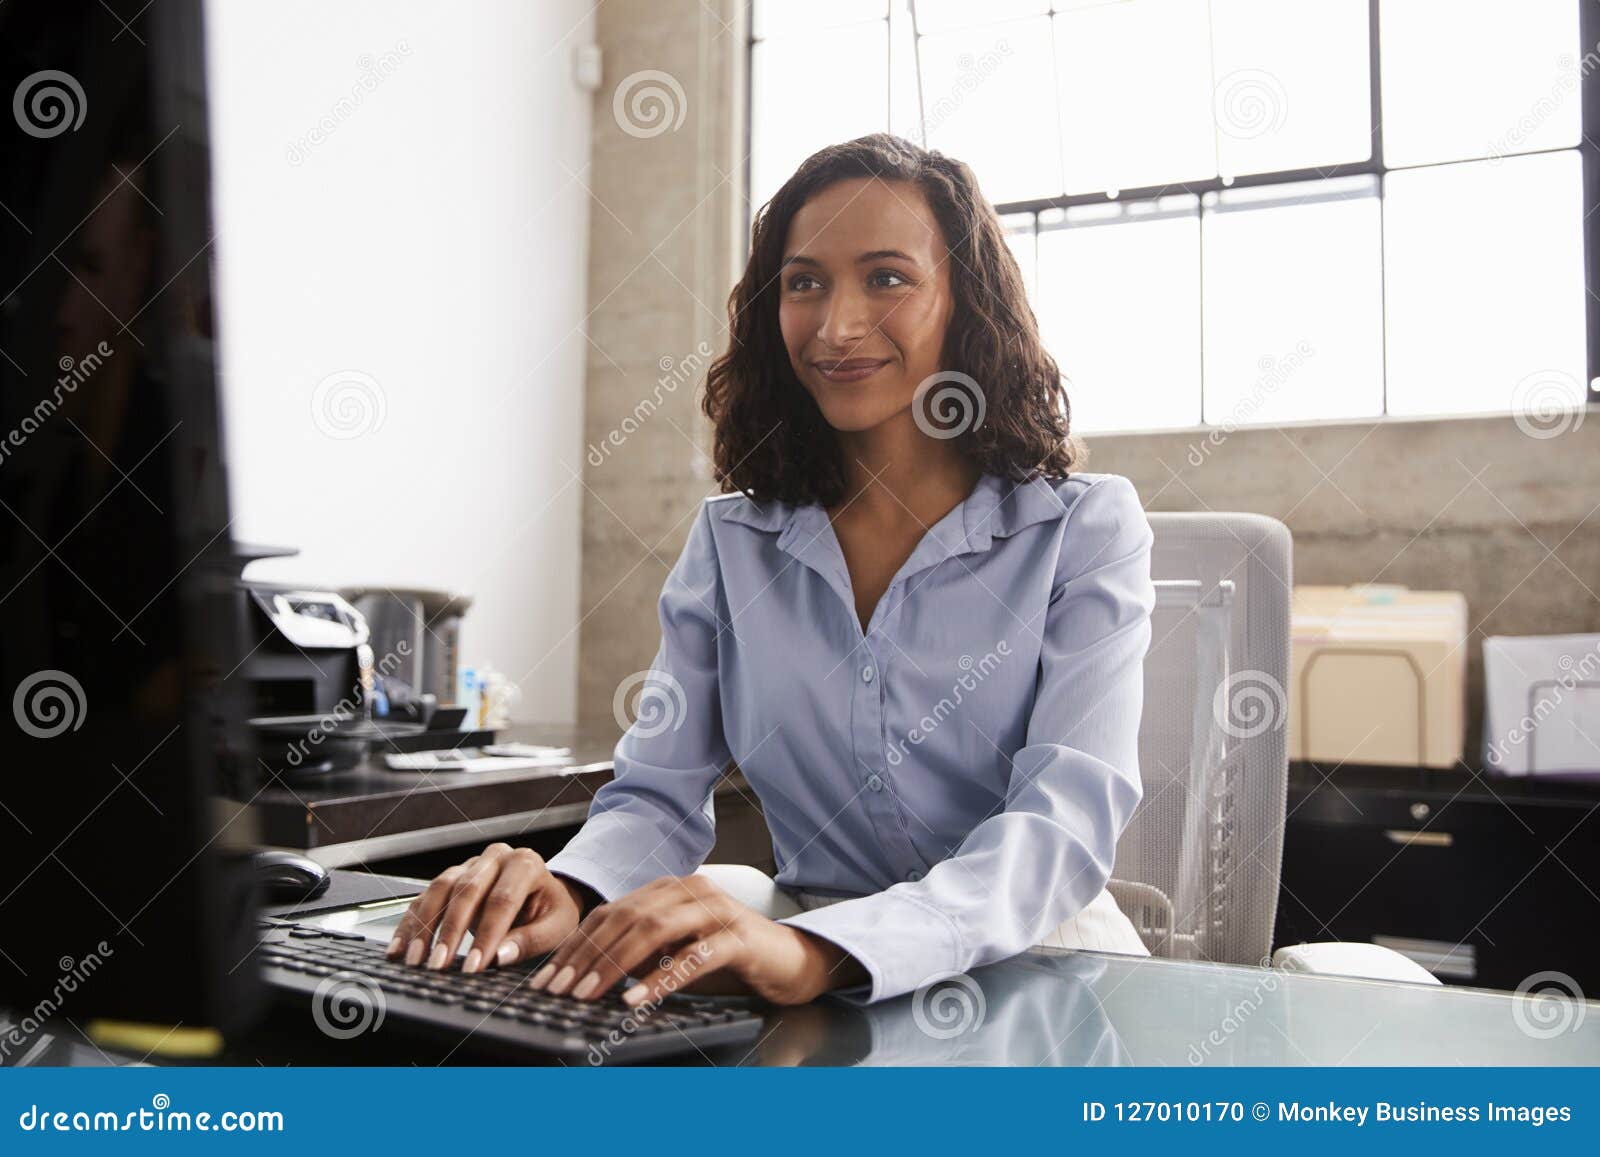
pixel 801 282
pixel 888 279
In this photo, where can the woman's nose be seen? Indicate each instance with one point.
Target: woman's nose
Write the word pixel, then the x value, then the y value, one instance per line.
pixel 847 321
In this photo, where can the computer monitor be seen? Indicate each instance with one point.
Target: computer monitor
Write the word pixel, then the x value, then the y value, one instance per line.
pixel 123 894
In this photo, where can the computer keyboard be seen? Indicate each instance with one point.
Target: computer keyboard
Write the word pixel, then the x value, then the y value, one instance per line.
pixel 494 1008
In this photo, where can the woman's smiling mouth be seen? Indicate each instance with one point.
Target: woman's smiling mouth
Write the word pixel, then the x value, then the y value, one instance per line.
pixel 849 369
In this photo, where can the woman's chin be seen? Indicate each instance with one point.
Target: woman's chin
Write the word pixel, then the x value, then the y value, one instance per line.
pixel 849 423
pixel 852 415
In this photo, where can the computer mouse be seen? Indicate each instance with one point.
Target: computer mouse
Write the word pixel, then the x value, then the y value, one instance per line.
pixel 288 877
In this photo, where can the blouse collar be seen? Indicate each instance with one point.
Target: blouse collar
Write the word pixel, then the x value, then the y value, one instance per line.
pixel 996 508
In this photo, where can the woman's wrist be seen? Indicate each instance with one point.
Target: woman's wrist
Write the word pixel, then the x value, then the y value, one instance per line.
pixel 582 895
pixel 828 966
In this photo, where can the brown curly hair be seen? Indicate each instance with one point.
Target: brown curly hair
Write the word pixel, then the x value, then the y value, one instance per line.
pixel 771 440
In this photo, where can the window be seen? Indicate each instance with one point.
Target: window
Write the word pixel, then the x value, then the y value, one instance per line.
pixel 1245 211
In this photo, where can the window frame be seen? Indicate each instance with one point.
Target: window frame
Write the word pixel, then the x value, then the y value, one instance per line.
pixel 1588 150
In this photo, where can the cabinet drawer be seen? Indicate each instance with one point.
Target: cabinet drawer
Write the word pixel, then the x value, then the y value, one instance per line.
pixel 1474 880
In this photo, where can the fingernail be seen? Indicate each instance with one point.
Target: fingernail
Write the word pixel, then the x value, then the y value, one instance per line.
pixel 587 985
pixel 437 958
pixel 507 953
pixel 542 977
pixel 414 953
pixel 563 980
pixel 474 958
pixel 394 946
pixel 635 996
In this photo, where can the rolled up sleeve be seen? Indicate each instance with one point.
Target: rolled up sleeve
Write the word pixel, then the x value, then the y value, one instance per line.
pixel 1073 786
pixel 655 816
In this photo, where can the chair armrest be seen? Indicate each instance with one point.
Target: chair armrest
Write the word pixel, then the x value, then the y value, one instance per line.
pixel 1348 958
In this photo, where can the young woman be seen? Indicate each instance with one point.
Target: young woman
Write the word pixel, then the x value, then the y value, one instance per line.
pixel 917 631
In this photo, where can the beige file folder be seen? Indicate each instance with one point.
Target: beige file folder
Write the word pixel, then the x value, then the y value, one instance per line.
pixel 1379 675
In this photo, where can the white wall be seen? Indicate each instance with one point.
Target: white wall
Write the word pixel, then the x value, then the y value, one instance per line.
pixel 401 220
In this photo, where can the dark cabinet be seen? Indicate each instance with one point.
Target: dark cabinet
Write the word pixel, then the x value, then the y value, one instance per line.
pixel 1483 881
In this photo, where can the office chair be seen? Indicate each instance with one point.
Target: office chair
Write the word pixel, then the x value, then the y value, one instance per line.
pixel 1197 870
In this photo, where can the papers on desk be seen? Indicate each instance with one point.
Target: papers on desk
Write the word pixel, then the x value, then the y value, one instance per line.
pixel 494 757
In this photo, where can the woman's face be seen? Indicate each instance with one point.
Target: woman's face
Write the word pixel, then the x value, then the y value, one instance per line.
pixel 864 299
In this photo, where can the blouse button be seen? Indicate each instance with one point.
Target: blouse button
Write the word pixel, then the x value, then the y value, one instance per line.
pixel 867 673
pixel 874 783
pixel 913 876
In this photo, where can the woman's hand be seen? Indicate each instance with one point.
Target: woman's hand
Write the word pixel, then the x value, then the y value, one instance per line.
pixel 684 931
pixel 510 902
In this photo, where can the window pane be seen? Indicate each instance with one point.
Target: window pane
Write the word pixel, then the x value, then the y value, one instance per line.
pixel 1020 237
pixel 940 15
pixel 1293 303
pixel 1485 289
pixel 1478 78
pixel 1293 87
pixel 1109 278
pixel 988 98
pixel 1135 81
pixel 774 17
pixel 905 101
pixel 811 91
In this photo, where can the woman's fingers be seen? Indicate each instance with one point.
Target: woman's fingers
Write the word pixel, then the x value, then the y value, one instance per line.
pixel 618 937
pixel 693 963
pixel 421 919
pixel 521 875
pixel 588 940
pixel 592 934
pixel 647 939
pixel 465 900
pixel 576 958
pixel 534 939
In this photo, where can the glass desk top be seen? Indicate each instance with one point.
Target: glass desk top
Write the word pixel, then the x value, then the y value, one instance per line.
pixel 1049 1007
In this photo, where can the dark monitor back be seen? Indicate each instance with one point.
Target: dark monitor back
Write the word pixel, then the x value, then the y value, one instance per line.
pixel 121 894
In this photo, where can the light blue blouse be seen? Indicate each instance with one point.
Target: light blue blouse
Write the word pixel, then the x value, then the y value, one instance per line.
pixel 964 767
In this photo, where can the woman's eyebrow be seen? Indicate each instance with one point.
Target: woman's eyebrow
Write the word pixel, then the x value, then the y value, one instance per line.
pixel 874 255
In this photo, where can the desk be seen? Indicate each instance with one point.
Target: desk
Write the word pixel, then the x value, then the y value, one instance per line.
pixel 370 813
pixel 1049 1007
